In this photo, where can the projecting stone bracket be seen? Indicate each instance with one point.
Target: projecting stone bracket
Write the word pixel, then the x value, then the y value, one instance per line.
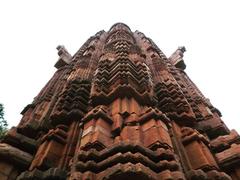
pixel 15 155
pixel 64 57
pixel 177 58
pixel 20 141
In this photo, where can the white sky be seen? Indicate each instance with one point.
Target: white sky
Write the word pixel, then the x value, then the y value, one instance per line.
pixel 31 30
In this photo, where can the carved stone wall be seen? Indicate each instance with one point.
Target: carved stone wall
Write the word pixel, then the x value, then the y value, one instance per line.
pixel 120 109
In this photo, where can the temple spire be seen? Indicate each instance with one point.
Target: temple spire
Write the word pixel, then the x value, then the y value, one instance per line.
pixel 119 109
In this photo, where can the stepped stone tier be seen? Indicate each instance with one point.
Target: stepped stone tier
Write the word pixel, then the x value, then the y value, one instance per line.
pixel 120 109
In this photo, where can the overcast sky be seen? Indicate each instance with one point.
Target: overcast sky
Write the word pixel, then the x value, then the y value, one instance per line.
pixel 31 30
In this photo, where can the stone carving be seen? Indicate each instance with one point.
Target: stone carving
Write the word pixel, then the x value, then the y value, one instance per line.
pixel 120 109
pixel 64 56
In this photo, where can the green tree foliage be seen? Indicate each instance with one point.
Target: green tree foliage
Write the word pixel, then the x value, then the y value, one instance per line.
pixel 3 122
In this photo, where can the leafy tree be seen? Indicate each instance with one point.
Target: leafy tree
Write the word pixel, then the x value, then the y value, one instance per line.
pixel 3 122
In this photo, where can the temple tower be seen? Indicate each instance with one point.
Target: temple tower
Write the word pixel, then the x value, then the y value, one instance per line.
pixel 120 109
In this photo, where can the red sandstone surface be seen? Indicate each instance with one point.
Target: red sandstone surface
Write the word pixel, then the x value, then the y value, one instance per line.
pixel 120 109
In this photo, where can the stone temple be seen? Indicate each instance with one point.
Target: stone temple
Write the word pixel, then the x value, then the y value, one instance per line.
pixel 120 109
